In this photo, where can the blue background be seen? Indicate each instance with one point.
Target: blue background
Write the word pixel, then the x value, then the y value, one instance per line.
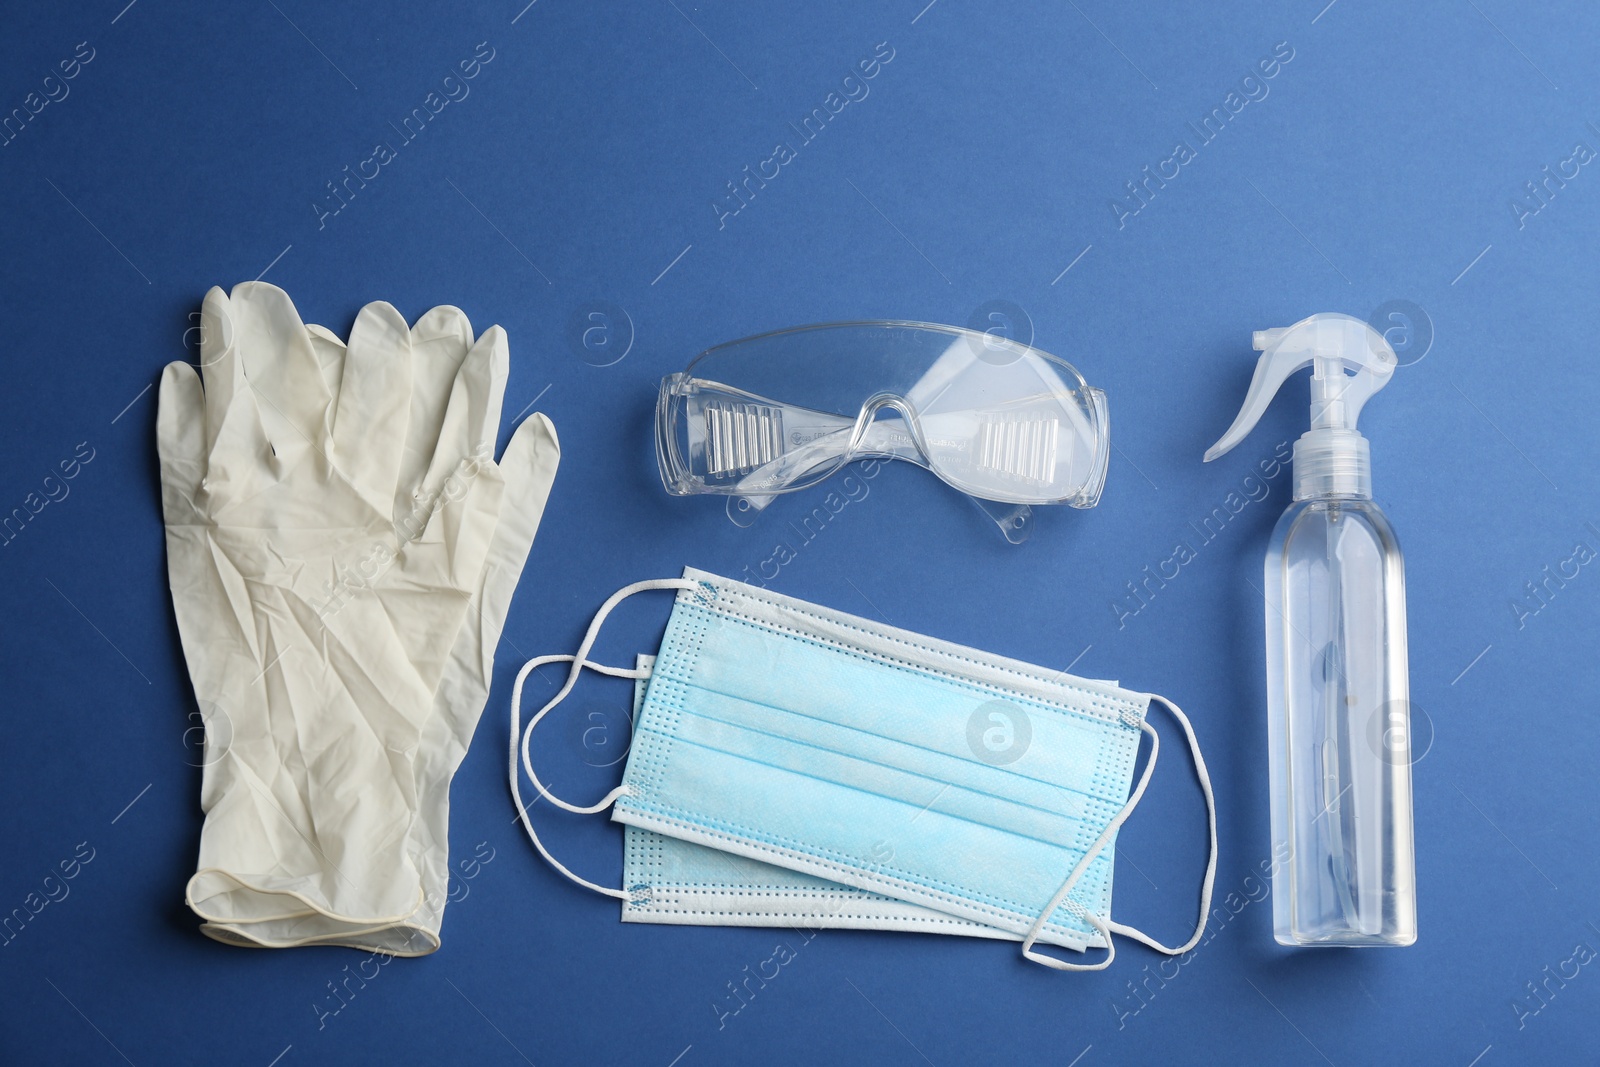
pixel 578 176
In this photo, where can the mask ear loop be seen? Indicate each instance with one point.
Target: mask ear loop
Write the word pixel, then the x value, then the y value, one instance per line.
pixel 1204 777
pixel 520 738
pixel 1078 910
pixel 1105 928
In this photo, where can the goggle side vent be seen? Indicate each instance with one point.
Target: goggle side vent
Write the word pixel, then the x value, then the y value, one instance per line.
pixel 741 437
pixel 1022 446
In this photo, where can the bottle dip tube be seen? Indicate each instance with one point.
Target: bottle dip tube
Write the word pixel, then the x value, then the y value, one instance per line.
pixel 1338 708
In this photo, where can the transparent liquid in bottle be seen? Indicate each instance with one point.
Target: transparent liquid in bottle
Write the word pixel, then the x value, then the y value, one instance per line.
pixel 1339 728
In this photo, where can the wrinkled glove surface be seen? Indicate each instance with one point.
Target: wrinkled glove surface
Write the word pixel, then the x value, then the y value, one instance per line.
pixel 341 557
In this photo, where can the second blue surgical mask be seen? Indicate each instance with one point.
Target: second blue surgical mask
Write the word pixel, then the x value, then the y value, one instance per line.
pixel 857 759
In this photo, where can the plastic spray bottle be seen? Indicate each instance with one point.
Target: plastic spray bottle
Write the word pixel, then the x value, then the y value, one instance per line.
pixel 1338 709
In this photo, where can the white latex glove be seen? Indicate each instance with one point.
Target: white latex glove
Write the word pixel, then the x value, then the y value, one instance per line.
pixel 330 511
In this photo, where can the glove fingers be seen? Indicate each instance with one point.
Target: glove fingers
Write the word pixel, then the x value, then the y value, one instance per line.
pixel 439 344
pixel 369 426
pixel 475 396
pixel 235 443
pixel 329 350
pixel 180 440
pixel 486 432
pixel 465 484
pixel 529 469
pixel 282 369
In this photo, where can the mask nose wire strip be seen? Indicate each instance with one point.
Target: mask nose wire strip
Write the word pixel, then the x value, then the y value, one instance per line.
pixel 1105 929
pixel 519 737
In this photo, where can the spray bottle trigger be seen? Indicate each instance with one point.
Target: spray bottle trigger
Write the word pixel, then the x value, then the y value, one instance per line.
pixel 1335 344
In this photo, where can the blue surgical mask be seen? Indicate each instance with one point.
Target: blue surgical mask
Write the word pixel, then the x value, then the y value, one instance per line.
pixel 975 789
pixel 679 883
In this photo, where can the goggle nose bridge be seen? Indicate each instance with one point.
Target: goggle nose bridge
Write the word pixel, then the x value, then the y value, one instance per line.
pixel 868 417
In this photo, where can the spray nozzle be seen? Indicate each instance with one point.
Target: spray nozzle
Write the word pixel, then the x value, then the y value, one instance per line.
pixel 1331 344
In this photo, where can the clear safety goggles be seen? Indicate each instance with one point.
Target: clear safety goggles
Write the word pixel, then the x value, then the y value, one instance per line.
pixel 1003 422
